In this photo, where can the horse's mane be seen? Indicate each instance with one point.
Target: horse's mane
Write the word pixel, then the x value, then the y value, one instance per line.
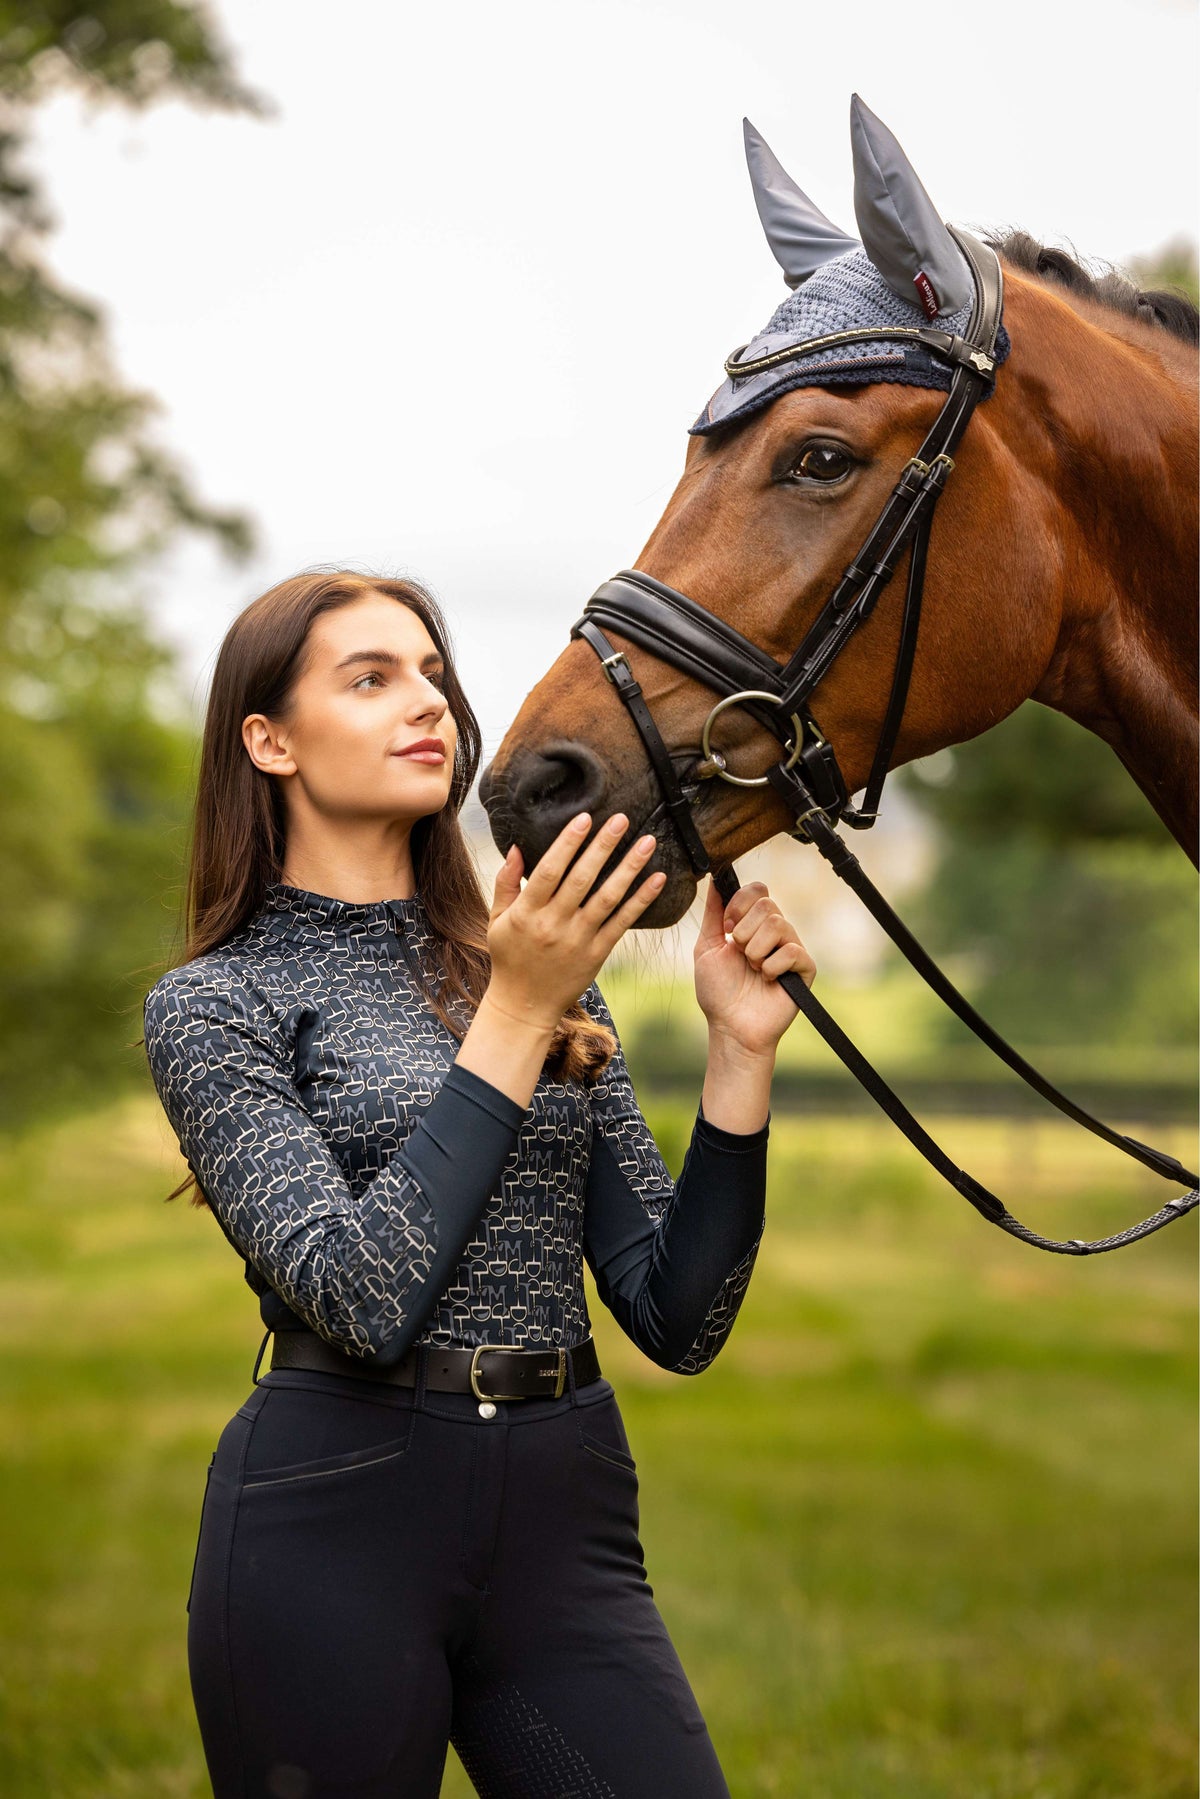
pixel 1168 309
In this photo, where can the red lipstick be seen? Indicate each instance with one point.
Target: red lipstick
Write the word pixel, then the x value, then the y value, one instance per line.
pixel 425 749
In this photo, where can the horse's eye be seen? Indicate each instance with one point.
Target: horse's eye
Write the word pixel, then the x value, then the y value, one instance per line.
pixel 822 462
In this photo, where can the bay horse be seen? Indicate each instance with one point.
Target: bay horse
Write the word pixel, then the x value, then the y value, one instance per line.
pixel 1062 567
pixel 1065 572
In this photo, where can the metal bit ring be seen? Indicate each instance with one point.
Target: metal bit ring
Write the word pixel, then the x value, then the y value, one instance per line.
pixel 735 699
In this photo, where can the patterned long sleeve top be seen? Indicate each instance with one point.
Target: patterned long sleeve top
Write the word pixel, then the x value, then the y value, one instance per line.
pixel 382 1196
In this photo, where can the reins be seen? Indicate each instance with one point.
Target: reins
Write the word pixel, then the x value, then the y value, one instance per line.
pixel 679 631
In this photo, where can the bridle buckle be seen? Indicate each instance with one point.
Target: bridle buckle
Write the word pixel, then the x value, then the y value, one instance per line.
pixel 927 468
pixel 800 829
pixel 607 661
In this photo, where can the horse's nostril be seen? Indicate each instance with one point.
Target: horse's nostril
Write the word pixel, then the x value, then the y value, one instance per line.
pixel 559 781
pixel 555 784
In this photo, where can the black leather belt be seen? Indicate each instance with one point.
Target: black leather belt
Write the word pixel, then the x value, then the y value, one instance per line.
pixel 492 1371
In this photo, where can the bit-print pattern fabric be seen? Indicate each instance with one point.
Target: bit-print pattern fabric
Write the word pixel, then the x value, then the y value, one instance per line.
pixel 381 1195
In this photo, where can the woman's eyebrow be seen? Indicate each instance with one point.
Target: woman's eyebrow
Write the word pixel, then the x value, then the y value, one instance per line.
pixel 389 657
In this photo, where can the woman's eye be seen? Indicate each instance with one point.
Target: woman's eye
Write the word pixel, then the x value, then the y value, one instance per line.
pixel 822 462
pixel 436 676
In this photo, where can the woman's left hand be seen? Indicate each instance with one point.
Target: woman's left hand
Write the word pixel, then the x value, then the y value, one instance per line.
pixel 737 982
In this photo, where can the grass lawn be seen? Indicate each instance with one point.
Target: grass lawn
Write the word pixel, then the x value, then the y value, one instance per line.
pixel 927 1528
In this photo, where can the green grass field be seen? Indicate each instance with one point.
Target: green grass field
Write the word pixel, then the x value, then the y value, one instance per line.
pixel 926 1528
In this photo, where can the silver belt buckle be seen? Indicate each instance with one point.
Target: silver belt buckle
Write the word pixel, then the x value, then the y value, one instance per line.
pixel 560 1379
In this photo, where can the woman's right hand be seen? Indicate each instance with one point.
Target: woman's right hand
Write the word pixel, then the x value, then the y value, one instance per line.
pixel 546 944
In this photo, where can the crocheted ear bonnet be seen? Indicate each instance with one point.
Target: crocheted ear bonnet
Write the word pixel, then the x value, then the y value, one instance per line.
pixel 907 270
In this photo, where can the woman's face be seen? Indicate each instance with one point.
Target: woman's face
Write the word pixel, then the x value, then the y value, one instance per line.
pixel 369 692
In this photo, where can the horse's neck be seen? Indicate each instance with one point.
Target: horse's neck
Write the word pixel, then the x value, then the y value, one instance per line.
pixel 1131 699
pixel 1120 430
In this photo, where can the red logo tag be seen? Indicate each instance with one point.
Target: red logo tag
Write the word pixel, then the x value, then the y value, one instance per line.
pixel 925 294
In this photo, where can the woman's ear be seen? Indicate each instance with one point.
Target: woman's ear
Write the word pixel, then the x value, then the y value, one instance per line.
pixel 266 745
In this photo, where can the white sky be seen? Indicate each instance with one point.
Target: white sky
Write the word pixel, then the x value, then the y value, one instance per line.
pixel 454 308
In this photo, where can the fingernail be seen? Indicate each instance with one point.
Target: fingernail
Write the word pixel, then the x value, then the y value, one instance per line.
pixel 645 843
pixel 581 821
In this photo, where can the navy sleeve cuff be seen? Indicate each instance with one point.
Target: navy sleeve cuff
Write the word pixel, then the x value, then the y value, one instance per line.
pixel 473 1087
pixel 720 1138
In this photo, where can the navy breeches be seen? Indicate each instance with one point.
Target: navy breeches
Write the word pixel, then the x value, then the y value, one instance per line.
pixel 382 1570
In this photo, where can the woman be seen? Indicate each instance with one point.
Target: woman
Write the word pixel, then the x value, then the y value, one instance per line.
pixel 413 1121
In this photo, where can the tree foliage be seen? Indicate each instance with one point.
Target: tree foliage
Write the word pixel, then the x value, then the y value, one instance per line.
pixel 1040 777
pixel 1069 905
pixel 93 798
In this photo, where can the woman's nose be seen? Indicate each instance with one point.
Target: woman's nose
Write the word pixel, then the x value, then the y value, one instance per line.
pixel 433 705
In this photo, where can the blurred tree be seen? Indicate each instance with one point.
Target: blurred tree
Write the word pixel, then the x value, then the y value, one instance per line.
pixel 94 792
pixel 1175 265
pixel 1072 910
pixel 1039 776
pixel 1081 939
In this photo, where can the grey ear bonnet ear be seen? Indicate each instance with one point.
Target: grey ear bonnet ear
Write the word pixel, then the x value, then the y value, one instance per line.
pixel 901 229
pixel 799 234
pixel 849 290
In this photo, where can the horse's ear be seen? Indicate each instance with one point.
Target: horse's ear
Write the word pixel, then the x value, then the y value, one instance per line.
pixel 799 234
pixel 901 229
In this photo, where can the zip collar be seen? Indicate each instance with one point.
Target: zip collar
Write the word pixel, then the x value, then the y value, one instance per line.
pixel 298 912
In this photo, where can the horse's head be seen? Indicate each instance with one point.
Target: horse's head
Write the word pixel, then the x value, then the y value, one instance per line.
pixel 786 473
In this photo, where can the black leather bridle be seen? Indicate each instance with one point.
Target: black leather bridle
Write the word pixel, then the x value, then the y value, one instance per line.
pixel 679 631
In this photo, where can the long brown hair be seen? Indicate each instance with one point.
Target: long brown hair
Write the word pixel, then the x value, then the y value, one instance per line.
pixel 238 837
